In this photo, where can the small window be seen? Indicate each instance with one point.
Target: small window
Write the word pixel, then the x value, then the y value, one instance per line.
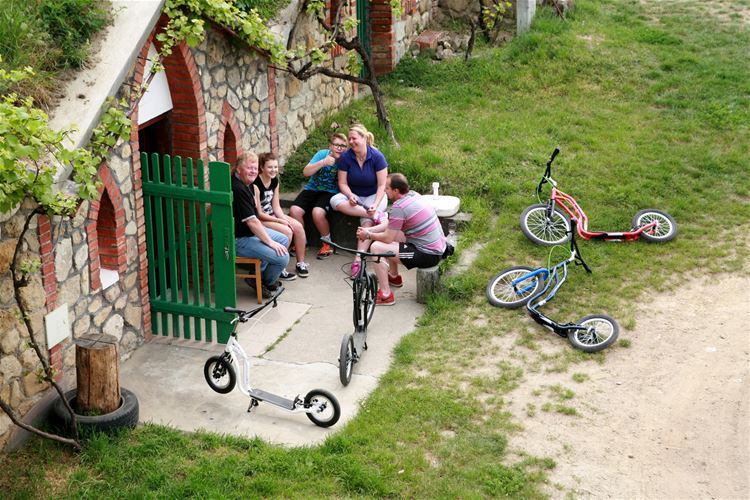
pixel 106 235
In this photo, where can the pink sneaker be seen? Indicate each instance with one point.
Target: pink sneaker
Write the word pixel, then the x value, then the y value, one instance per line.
pixel 356 266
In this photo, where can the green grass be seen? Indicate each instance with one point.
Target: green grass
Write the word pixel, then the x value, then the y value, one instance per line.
pixel 50 36
pixel 649 104
pixel 266 8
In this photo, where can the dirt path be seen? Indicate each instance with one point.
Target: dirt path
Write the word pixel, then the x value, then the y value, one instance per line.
pixel 667 417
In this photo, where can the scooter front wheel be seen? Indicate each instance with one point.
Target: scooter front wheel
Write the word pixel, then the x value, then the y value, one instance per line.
pixel 601 331
pixel 219 374
pixel 346 359
pixel 322 408
pixel 502 293
pixel 544 230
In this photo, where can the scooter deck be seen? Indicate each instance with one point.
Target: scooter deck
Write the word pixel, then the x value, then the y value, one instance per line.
pixel 261 395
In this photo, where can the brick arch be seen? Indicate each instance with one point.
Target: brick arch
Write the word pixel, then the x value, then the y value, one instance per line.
pixel 190 138
pixel 105 230
pixel 229 142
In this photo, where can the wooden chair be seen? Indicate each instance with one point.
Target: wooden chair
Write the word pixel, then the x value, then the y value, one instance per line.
pixel 247 267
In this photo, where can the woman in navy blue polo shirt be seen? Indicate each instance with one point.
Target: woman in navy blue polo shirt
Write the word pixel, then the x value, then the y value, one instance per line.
pixel 362 175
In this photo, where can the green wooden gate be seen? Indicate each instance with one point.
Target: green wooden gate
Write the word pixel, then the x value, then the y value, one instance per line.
pixel 190 247
pixel 363 30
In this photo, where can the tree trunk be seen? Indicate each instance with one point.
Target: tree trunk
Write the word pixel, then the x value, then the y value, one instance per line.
pixel 98 374
pixel 472 39
pixel 377 96
pixel 20 280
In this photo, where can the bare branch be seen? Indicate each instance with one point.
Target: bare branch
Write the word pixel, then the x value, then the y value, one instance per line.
pixel 14 418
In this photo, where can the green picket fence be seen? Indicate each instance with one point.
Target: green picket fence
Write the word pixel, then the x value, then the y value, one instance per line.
pixel 190 247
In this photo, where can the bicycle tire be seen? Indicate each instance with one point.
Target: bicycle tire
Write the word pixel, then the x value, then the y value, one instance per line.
pixel 500 292
pixel 346 359
pixel 543 231
pixel 665 230
pixel 597 339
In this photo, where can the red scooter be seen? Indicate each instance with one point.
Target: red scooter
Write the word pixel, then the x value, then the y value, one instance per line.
pixel 549 223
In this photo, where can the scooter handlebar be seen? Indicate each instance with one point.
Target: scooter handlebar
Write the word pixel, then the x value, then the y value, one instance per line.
pixel 243 315
pixel 547 171
pixel 574 246
pixel 552 158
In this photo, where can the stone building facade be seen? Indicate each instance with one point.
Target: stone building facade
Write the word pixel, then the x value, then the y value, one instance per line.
pixel 226 99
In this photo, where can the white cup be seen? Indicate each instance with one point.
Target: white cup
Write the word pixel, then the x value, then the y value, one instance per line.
pixel 435 189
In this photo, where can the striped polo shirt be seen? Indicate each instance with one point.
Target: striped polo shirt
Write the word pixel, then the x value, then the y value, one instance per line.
pixel 419 222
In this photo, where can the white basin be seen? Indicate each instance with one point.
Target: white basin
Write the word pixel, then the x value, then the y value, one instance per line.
pixel 445 206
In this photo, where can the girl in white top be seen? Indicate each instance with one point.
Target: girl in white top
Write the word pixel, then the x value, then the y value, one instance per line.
pixel 271 215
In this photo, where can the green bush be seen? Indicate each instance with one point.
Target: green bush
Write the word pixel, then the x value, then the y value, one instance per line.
pixel 49 36
pixel 266 8
pixel 23 40
pixel 70 23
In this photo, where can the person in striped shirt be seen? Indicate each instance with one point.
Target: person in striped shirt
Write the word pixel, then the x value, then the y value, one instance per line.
pixel 413 233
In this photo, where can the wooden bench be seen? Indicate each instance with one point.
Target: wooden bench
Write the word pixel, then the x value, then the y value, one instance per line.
pixel 248 267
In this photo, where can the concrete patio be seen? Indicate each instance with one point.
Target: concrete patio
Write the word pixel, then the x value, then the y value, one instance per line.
pixel 294 349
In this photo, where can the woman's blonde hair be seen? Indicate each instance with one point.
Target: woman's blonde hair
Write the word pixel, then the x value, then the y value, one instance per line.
pixel 361 130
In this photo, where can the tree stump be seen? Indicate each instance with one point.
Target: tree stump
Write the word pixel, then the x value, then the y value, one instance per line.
pixel 427 282
pixel 98 374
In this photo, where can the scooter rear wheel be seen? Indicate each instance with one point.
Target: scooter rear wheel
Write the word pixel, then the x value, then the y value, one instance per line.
pixel 665 229
pixel 328 410
pixel 346 359
pixel 601 332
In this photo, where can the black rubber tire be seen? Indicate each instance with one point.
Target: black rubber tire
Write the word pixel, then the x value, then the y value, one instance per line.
pixel 540 230
pixel 125 417
pixel 666 229
pixel 215 369
pixel 500 293
pixel 346 359
pixel 591 341
pixel 371 294
pixel 320 395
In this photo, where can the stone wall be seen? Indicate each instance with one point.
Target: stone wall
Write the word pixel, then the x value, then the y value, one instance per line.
pixel 410 25
pixel 65 278
pixel 392 35
pixel 229 72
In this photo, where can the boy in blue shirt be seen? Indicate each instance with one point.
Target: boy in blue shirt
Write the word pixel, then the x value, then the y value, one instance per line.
pixel 317 193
